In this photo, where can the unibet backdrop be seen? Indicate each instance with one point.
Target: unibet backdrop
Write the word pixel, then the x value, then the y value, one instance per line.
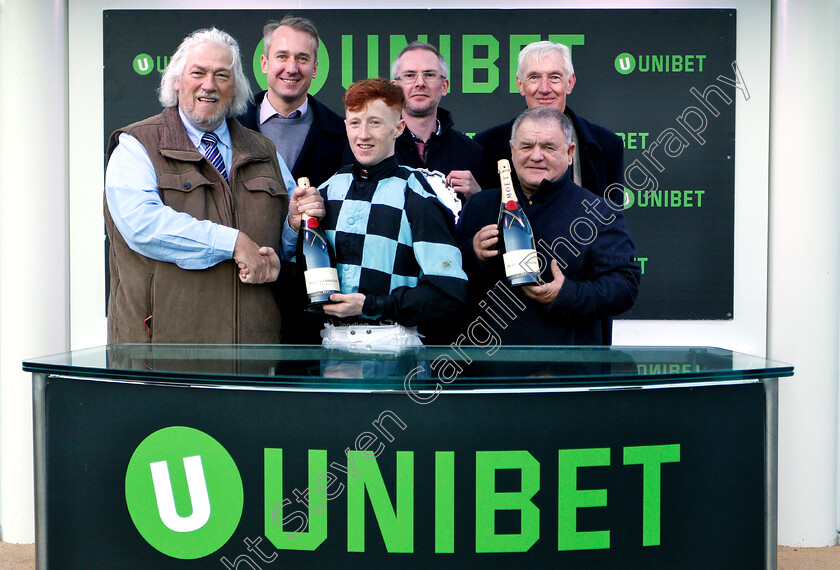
pixel 666 81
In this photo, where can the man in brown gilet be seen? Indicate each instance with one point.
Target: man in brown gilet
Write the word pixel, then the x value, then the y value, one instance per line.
pixel 194 209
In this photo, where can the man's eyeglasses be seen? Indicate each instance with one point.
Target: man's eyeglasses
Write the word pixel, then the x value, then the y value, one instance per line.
pixel 410 77
pixel 535 78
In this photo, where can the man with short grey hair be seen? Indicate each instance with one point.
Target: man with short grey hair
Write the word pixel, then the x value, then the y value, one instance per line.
pixel 545 77
pixel 588 274
pixel 194 208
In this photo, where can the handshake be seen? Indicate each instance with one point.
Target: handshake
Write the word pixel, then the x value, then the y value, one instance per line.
pixel 256 264
pixel 261 264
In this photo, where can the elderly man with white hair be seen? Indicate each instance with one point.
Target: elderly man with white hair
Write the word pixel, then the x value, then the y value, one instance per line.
pixel 194 209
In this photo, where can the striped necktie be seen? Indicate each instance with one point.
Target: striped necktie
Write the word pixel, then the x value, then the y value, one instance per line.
pixel 212 153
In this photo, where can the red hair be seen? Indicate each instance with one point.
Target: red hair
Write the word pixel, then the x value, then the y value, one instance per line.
pixel 364 91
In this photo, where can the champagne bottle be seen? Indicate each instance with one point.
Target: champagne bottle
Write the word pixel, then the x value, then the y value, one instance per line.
pixel 316 257
pixel 516 239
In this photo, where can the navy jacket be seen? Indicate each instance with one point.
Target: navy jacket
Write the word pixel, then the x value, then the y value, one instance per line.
pixel 321 157
pixel 601 278
pixel 601 153
pixel 451 150
pixel 323 150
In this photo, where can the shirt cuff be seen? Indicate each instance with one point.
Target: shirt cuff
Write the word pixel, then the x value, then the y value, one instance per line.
pixel 226 240
pixel 374 306
pixel 288 241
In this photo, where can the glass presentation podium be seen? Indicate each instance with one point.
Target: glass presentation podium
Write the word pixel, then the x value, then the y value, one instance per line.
pixel 210 456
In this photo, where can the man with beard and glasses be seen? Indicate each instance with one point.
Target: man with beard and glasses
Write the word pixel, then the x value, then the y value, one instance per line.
pixel 451 160
pixel 429 140
pixel 194 209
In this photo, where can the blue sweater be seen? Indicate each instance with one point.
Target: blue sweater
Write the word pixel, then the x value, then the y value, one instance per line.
pixel 592 246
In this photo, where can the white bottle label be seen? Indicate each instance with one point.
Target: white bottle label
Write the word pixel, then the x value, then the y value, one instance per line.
pixel 521 261
pixel 321 279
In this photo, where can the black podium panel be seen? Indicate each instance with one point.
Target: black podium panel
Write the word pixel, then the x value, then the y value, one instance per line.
pixel 586 478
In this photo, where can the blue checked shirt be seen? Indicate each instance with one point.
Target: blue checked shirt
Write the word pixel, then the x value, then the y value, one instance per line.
pixel 394 242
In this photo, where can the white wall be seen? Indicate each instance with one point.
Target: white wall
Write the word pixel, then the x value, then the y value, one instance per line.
pixel 804 254
pixel 33 232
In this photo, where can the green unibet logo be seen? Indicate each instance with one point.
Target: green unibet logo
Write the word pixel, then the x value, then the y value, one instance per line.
pixel 183 492
pixel 625 63
pixel 143 64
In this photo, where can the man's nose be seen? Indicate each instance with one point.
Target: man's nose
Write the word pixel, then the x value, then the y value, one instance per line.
pixel 545 84
pixel 209 83
pixel 364 132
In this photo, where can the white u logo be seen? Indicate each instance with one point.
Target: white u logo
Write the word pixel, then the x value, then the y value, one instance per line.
pixel 166 500
pixel 624 64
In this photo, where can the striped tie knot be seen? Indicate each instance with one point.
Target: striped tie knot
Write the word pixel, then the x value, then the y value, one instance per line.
pixel 212 153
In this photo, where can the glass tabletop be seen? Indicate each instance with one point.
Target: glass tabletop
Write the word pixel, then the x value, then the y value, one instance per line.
pixel 424 368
